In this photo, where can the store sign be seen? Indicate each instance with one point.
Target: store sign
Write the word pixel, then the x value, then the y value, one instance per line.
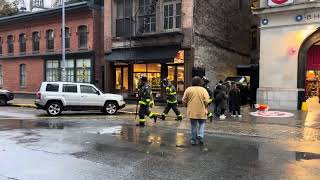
pixel 179 57
pixel 279 2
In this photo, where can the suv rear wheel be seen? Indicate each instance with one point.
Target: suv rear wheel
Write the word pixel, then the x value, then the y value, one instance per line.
pixel 54 108
pixel 110 108
pixel 3 101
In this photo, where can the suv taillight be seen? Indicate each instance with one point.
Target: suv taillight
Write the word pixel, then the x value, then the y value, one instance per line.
pixel 38 96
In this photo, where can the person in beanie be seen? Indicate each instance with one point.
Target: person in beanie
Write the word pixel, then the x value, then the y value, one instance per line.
pixel 172 101
pixel 196 98
pixel 234 100
pixel 145 101
pixel 207 87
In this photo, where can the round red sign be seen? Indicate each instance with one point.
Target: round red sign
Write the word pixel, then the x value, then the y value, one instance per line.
pixel 279 1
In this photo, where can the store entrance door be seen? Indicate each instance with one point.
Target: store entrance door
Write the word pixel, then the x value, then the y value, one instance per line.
pixel 313 78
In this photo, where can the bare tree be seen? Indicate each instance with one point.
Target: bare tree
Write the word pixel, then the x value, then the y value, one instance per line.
pixel 7 8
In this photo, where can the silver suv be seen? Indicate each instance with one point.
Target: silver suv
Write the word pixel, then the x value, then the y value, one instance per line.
pixel 55 97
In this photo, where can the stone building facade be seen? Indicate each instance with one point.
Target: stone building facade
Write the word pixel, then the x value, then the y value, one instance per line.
pixel 222 36
pixel 289 46
pixel 175 37
pixel 30 47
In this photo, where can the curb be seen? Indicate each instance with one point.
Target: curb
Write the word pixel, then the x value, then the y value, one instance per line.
pixel 23 105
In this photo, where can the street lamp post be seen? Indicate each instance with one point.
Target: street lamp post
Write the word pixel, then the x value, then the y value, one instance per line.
pixel 63 43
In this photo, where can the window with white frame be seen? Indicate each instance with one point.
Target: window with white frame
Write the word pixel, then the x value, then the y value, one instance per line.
pixel 83 36
pixel 50 39
pixel 52 70
pixel 35 41
pixel 10 44
pixel 171 14
pixel 124 18
pixel 1 76
pixel 22 42
pixel 83 70
pixel 23 75
pixel 0 46
pixel 146 21
pixel 70 70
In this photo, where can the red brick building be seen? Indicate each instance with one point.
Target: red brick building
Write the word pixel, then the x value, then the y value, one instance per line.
pixel 30 47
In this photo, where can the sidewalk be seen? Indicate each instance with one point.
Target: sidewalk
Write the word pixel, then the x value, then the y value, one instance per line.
pixel 301 119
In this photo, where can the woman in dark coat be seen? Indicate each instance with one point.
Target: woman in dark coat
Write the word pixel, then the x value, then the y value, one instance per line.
pixel 234 100
pixel 221 100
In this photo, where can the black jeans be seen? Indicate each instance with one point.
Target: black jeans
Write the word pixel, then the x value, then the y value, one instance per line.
pixel 174 107
pixel 235 111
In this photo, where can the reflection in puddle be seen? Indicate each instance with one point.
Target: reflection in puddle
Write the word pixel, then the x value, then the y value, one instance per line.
pixel 306 156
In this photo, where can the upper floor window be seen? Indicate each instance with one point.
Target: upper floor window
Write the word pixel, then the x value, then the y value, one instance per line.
pixel 1 76
pixel 50 39
pixel 172 14
pixel 10 44
pixel 83 36
pixel 0 46
pixel 147 20
pixel 124 18
pixel 35 41
pixel 22 42
pixel 67 37
pixel 23 76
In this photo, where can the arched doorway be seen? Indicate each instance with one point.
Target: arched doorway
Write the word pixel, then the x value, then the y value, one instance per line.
pixel 309 69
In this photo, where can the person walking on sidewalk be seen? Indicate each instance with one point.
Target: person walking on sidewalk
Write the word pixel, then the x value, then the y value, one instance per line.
pixel 145 101
pixel 172 101
pixel 234 100
pixel 207 87
pixel 196 98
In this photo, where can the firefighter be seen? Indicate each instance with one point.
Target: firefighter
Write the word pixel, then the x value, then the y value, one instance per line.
pixel 207 87
pixel 172 101
pixel 145 101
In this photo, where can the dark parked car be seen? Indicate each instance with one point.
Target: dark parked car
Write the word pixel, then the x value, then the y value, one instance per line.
pixel 5 96
pixel 243 83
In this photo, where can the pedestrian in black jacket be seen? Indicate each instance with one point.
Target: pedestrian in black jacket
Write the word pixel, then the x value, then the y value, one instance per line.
pixel 234 100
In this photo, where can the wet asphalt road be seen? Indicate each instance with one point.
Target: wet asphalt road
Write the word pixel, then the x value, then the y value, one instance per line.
pixel 111 147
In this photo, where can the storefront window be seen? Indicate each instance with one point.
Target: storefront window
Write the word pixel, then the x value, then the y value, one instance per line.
pixel 125 78
pixel 171 73
pixel 84 70
pixel 118 78
pixel 152 71
pixel 70 70
pixel 176 76
pixel 52 69
pixel 180 78
pixel 122 78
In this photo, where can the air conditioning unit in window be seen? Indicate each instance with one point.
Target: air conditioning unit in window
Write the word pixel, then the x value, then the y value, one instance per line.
pixel 279 2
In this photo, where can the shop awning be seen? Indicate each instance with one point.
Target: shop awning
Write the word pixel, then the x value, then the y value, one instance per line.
pixel 152 54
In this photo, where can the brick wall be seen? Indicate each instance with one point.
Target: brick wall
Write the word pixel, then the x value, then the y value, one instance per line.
pixel 34 73
pixel 72 21
pixel 93 19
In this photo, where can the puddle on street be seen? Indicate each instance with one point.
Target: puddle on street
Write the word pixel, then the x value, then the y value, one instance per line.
pixel 11 124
